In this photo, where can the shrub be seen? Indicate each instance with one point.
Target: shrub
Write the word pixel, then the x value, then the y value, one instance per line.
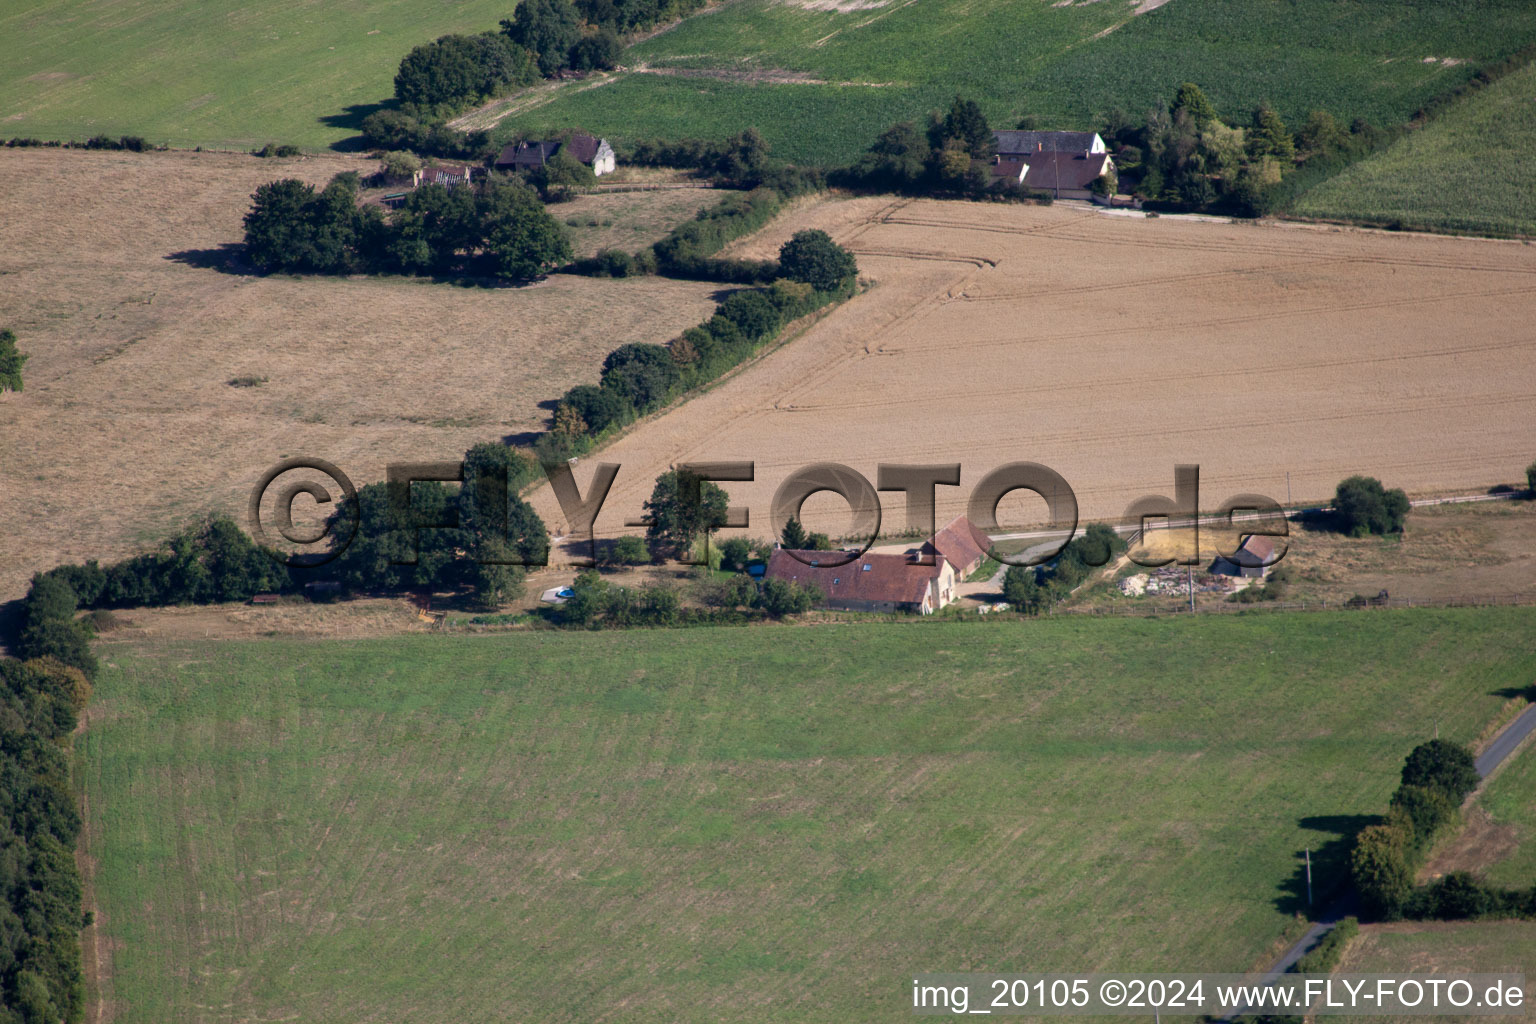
pixel 629 550
pixel 752 312
pixel 735 553
pixel 11 362
pixel 1361 506
pixel 1530 476
pixel 781 597
pixel 272 149
pixel 643 374
pixel 1455 896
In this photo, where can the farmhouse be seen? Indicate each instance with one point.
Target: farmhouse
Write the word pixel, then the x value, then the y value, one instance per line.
pixel 1067 175
pixel 961 544
pixel 531 155
pixel 1020 145
pixel 873 583
pixel 1252 557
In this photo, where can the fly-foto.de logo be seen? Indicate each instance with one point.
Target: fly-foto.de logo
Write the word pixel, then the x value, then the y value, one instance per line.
pixel 1245 514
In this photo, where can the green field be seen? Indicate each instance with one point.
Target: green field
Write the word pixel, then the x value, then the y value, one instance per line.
pixel 1355 58
pixel 745 824
pixel 1471 169
pixel 227 74
pixel 215 72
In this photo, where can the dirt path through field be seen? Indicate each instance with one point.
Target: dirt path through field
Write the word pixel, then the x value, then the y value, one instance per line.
pixel 1112 348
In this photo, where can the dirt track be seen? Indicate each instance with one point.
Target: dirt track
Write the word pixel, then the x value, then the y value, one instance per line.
pixel 1111 348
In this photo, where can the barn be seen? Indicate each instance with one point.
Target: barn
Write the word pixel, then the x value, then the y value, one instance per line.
pixel 1252 557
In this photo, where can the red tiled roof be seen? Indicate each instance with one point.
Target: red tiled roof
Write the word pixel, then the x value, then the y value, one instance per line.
pixel 874 577
pixel 960 542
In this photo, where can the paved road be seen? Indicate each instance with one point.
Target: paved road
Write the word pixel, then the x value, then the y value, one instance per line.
pixel 1505 742
pixel 1498 751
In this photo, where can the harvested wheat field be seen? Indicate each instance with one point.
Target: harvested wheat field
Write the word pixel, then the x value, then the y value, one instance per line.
pixel 137 321
pixel 1111 348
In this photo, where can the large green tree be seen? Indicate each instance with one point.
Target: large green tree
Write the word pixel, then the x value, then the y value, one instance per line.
pixel 682 507
pixel 546 28
pixel 1361 505
pixel 811 256
pixel 522 241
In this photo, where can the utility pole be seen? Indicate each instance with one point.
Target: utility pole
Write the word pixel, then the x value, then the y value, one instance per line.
pixel 1287 488
pixel 1309 876
pixel 1191 588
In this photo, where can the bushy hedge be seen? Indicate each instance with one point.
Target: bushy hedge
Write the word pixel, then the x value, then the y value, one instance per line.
pixel 597 604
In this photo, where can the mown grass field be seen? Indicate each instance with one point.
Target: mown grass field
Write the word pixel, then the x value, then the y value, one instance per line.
pixel 1510 801
pixel 744 824
pixel 1471 169
pixel 1452 947
pixel 859 70
pixel 214 73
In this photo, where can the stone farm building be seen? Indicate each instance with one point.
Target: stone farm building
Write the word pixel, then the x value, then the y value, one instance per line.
pixel 531 155
pixel 1064 164
pixel 890 582
pixel 871 583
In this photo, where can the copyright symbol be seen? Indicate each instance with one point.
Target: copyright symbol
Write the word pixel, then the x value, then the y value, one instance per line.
pixel 1112 992
pixel 283 512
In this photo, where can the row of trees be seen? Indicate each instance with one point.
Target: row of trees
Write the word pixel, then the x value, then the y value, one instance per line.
pixel 638 378
pixel 1437 776
pixel 42 693
pixel 495 228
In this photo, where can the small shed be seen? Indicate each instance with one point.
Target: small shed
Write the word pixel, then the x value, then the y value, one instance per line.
pixel 1253 556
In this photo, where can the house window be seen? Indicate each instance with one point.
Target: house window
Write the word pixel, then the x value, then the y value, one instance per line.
pixel 836 581
pixel 866 568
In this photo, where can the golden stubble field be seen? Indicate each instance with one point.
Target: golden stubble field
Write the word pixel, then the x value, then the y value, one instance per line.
pixel 128 425
pixel 1111 348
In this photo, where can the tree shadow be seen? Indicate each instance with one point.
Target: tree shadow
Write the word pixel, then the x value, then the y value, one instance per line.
pixel 1315 520
pixel 1511 692
pixel 226 258
pixel 550 404
pixel 351 118
pixel 10 623
pixel 522 439
pixel 1330 863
